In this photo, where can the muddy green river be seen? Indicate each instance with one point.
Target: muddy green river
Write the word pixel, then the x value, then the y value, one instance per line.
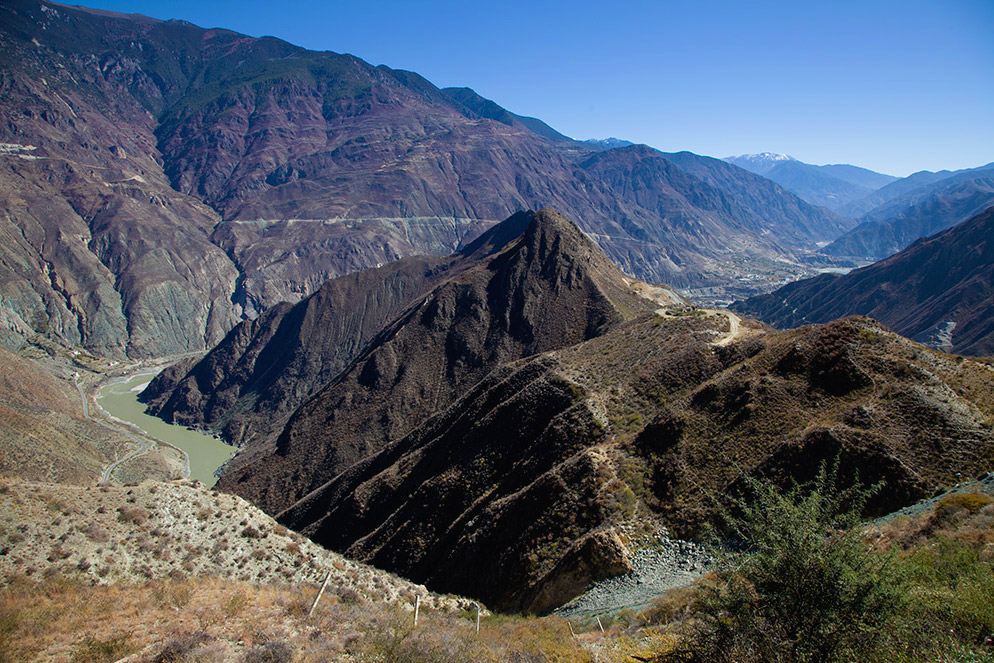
pixel 206 453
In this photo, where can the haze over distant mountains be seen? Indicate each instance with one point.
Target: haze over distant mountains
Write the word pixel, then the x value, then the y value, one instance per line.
pixel 940 203
pixel 833 186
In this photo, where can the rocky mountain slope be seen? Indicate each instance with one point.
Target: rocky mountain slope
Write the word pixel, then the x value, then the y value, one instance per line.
pixel 833 186
pixel 545 285
pixel 43 434
pixel 938 291
pixel 887 229
pixel 249 384
pixel 177 530
pixel 163 181
pixel 544 476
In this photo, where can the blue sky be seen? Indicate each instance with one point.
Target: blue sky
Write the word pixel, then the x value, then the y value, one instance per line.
pixel 895 86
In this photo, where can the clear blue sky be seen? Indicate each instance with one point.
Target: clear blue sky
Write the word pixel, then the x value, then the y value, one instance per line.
pixel 895 86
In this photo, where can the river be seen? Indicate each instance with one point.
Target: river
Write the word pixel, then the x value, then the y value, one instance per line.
pixel 206 453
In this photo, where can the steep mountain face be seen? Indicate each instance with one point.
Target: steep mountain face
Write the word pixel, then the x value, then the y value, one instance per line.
pixel 772 210
pixel 833 186
pixel 97 248
pixel 530 486
pixel 548 288
pixel 938 291
pixel 249 384
pixel 163 182
pixel 924 211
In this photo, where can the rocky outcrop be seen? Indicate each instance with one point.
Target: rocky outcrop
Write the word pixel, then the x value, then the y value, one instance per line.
pixel 938 291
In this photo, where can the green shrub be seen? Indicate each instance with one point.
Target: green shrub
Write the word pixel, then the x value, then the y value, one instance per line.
pixel 807 589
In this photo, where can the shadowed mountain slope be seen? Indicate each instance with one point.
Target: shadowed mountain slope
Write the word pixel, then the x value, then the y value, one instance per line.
pixel 938 291
pixel 249 384
pixel 550 287
pixel 544 476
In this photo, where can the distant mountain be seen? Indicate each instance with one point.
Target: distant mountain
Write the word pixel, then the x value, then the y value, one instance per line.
pixel 761 163
pixel 833 186
pixel 924 211
pixel 163 182
pixel 607 143
pixel 546 286
pixel 901 187
pixel 938 291
pixel 858 176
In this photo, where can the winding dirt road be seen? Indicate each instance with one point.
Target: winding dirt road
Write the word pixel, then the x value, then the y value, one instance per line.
pixel 734 330
pixel 143 445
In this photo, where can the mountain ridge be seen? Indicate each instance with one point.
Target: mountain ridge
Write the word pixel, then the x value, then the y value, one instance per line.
pixel 924 211
pixel 834 186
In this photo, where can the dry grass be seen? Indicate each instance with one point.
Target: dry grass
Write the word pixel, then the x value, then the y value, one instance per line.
pixel 223 620
pixel 176 530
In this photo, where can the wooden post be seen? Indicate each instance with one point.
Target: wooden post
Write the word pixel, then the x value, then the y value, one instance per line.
pixel 417 606
pixel 571 631
pixel 599 624
pixel 477 617
pixel 318 597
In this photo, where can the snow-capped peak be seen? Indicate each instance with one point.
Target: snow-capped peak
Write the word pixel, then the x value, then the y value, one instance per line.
pixel 759 163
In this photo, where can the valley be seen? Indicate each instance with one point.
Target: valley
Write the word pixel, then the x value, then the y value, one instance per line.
pixel 305 358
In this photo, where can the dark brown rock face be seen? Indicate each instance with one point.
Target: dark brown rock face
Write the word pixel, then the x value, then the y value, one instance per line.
pixel 549 287
pixel 515 492
pixel 938 291
pixel 161 182
pixel 249 384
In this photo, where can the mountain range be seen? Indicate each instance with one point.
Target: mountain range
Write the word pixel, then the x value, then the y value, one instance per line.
pixel 420 371
pixel 835 186
pixel 938 291
pixel 163 182
pixel 920 212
